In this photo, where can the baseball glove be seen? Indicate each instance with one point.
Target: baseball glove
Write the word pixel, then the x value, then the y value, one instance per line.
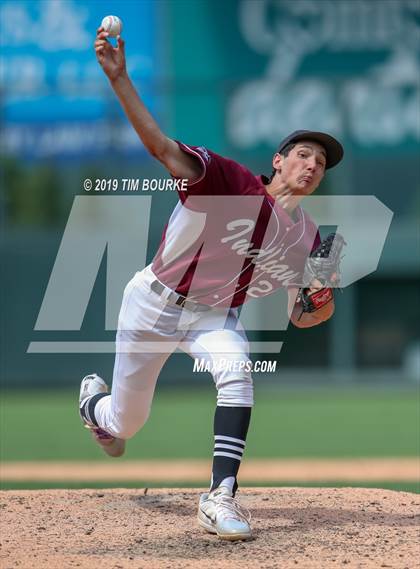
pixel 322 265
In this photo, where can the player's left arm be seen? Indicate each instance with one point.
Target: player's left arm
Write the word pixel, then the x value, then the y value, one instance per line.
pixel 302 319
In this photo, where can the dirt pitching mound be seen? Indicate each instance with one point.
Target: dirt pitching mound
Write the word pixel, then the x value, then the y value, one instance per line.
pixel 131 529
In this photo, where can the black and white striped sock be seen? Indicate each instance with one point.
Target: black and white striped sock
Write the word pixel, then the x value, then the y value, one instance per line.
pixel 230 430
pixel 87 410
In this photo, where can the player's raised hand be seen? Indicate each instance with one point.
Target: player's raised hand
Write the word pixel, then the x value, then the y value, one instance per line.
pixel 111 59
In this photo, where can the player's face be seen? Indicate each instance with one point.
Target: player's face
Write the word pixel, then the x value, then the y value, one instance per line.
pixel 304 167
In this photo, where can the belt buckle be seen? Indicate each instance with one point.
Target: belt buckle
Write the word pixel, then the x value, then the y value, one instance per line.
pixel 180 301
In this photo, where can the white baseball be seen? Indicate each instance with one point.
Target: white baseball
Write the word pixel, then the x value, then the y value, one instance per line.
pixel 112 25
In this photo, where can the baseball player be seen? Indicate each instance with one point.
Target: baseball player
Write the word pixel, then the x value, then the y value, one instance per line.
pixel 232 237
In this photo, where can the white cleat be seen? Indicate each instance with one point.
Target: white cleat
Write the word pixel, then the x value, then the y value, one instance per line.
pixel 220 513
pixel 92 385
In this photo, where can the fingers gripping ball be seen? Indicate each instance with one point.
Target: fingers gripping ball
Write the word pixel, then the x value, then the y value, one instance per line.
pixel 112 25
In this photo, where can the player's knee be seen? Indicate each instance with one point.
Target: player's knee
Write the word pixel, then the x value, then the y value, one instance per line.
pixel 236 392
pixel 124 428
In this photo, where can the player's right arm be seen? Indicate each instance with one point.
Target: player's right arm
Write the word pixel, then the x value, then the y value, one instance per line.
pixel 112 60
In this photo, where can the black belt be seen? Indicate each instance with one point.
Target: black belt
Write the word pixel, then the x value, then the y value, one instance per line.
pixel 178 299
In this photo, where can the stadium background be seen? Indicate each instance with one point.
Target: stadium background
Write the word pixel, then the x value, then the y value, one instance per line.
pixel 235 78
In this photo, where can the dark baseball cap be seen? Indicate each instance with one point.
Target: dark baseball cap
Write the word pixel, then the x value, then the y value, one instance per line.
pixel 332 147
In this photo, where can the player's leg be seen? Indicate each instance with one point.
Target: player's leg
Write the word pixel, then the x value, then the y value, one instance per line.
pixel 146 336
pixel 126 409
pixel 226 350
pixel 92 389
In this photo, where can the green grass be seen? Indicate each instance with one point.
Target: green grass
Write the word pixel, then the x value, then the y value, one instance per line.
pixel 285 423
pixel 397 486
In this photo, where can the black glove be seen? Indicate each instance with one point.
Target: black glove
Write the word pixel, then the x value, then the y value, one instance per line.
pixel 322 265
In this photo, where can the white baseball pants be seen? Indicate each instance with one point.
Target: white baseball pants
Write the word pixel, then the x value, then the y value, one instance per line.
pixel 149 330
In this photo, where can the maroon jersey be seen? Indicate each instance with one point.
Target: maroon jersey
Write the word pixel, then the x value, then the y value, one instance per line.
pixel 228 240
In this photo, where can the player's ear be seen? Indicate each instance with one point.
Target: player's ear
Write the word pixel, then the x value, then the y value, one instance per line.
pixel 278 161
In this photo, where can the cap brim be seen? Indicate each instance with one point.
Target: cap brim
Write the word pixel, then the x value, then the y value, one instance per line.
pixel 333 148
